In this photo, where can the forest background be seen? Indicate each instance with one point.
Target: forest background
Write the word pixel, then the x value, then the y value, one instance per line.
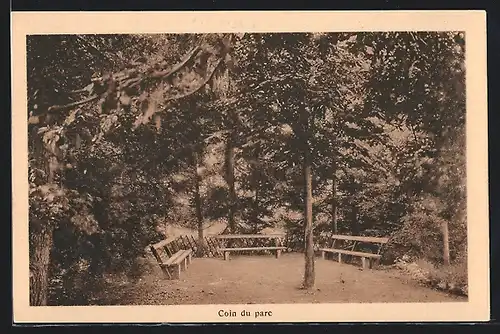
pixel 348 133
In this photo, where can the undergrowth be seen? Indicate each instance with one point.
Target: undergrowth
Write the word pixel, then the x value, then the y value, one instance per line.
pixel 452 278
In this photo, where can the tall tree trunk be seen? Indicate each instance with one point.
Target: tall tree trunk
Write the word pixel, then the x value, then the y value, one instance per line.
pixel 41 246
pixel 354 221
pixel 221 85
pixel 229 162
pixel 309 274
pixel 256 185
pixel 41 242
pixel 334 197
pixel 255 211
pixel 197 199
pixel 446 243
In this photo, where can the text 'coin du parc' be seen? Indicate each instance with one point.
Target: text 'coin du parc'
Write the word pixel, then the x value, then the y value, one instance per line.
pixel 244 313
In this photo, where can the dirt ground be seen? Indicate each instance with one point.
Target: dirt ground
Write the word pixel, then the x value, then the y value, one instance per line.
pixel 267 280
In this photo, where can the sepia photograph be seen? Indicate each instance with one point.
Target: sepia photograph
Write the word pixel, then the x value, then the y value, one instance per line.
pixel 245 168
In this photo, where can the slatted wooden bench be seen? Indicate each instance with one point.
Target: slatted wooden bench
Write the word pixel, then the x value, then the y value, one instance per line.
pixel 276 237
pixel 173 265
pixel 226 251
pixel 367 259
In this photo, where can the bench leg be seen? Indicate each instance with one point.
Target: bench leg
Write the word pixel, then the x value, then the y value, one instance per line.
pixel 278 253
pixel 166 272
pixel 183 264
pixel 363 261
pixel 189 259
pixel 323 255
pixel 175 271
pixel 340 258
pixel 226 256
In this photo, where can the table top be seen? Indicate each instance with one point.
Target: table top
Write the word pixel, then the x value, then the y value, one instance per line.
pixel 249 236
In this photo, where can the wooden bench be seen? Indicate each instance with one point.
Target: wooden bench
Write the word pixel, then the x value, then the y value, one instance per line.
pixel 367 259
pixel 226 251
pixel 244 240
pixel 173 265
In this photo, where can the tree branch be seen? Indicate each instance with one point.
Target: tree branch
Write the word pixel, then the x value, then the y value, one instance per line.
pixel 72 105
pixel 122 75
pixel 177 67
pixel 203 83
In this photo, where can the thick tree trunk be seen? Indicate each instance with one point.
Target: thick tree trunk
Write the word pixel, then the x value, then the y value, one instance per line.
pixel 221 84
pixel 41 246
pixel 41 242
pixel 446 243
pixel 309 275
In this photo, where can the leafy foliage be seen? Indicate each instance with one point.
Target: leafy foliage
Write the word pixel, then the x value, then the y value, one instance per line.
pixel 145 142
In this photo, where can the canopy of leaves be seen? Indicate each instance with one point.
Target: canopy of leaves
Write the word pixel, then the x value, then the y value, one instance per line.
pixel 130 132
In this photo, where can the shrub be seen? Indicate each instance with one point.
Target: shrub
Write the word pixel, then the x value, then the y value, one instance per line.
pixel 421 234
pixel 416 269
pixel 452 278
pixel 419 237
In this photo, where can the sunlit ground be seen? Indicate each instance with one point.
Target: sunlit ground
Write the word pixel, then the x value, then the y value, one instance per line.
pixel 263 279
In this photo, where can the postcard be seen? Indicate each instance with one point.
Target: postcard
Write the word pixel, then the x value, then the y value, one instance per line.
pixel 294 166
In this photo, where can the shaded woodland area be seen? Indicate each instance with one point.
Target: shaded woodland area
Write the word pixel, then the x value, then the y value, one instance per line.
pixel 317 133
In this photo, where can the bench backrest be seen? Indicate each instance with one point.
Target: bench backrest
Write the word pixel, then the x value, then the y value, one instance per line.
pixel 247 240
pixel 159 250
pixel 249 236
pixel 375 240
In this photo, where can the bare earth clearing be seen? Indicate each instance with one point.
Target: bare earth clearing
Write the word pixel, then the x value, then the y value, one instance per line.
pixel 267 280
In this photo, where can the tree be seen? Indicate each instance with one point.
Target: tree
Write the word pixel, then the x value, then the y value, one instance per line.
pixel 306 123
pixel 118 94
pixel 283 74
pixel 428 100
